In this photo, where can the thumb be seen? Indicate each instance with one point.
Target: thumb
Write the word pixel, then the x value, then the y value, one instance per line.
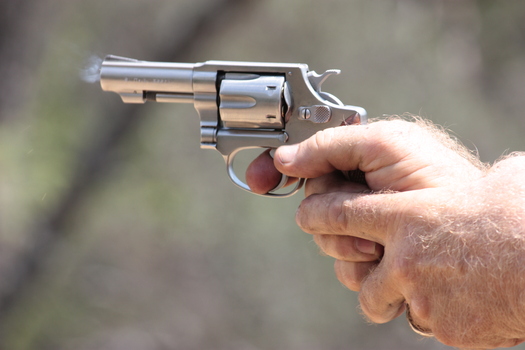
pixel 326 151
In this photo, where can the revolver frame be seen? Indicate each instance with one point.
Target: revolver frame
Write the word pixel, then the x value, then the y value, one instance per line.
pixel 241 104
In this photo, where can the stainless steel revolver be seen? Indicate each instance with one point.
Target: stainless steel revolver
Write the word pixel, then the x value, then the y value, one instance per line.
pixel 241 104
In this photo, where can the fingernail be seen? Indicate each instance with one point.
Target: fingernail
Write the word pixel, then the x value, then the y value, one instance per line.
pixel 287 153
pixel 365 246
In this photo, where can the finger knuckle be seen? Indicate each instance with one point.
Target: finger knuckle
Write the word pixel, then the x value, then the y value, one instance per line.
pixel 359 211
pixel 368 306
pixel 403 268
pixel 338 214
pixel 322 140
pixel 387 138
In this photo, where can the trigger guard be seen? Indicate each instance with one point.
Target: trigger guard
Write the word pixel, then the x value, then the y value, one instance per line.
pixel 284 180
pixel 239 183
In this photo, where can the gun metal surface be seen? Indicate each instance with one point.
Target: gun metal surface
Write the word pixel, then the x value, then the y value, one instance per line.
pixel 241 105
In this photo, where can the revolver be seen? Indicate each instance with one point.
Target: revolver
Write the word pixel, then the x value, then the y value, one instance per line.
pixel 241 104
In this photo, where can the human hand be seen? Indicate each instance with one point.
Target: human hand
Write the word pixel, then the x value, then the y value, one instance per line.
pixel 435 211
pixel 395 155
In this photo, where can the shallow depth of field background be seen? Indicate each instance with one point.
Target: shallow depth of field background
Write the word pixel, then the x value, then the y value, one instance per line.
pixel 118 232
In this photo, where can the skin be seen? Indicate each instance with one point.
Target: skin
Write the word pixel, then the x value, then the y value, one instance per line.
pixel 434 228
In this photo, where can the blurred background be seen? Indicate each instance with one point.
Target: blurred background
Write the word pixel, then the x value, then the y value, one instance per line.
pixel 118 232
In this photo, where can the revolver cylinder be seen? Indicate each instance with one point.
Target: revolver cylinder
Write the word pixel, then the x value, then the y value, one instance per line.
pixel 259 97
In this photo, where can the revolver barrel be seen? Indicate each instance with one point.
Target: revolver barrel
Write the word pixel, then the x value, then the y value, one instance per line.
pixel 140 81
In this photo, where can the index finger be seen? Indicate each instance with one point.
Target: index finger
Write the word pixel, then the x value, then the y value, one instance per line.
pixel 262 176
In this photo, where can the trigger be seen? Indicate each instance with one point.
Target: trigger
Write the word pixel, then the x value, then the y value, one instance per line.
pixel 284 178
